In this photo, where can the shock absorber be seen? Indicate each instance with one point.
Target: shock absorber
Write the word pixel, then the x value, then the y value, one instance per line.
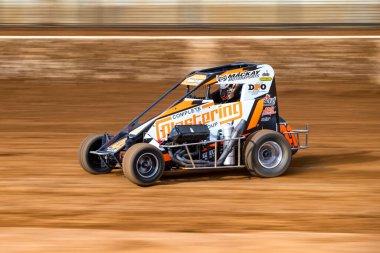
pixel 227 134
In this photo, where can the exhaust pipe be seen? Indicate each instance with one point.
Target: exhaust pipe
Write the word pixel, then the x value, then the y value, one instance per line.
pixel 180 155
pixel 231 144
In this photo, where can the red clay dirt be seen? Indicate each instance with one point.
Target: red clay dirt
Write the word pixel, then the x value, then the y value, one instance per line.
pixel 328 201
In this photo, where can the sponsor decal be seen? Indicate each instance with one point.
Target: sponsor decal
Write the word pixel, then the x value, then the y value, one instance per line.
pixel 265 78
pixel 211 154
pixel 237 76
pixel 194 79
pixel 268 101
pixel 255 88
pixel 264 119
pixel 117 145
pixel 268 111
pixel 219 114
pixel 266 73
pixel 187 112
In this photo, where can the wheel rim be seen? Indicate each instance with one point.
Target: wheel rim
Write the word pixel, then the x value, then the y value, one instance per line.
pixel 147 165
pixel 94 160
pixel 270 154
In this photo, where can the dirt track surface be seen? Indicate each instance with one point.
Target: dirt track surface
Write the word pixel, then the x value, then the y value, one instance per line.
pixel 328 201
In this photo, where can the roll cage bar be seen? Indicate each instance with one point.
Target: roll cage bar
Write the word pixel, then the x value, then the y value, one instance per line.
pixel 210 73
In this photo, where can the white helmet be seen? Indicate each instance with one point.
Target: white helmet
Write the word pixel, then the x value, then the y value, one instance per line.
pixel 229 91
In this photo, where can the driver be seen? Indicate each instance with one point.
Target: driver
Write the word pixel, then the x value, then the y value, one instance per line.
pixel 230 92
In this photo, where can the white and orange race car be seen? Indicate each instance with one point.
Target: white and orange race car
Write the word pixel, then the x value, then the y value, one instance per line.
pixel 227 118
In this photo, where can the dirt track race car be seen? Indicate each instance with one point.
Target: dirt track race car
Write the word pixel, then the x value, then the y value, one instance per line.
pixel 227 118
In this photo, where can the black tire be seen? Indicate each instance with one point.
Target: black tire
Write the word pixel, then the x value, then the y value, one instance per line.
pixel 267 153
pixel 90 162
pixel 143 164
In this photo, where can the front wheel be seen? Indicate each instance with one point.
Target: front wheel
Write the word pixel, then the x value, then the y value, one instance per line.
pixel 143 164
pixel 91 162
pixel 267 153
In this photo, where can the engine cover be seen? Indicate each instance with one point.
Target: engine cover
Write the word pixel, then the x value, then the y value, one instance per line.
pixel 189 133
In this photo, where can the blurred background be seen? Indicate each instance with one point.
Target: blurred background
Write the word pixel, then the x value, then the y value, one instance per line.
pixel 71 68
pixel 189 12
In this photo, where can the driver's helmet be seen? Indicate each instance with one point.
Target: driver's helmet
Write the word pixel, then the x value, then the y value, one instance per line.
pixel 230 91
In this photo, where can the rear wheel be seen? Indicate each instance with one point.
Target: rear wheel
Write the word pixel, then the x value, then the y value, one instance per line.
pixel 143 164
pixel 267 153
pixel 91 162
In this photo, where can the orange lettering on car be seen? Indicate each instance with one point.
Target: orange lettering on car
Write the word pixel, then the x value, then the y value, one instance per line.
pixel 225 113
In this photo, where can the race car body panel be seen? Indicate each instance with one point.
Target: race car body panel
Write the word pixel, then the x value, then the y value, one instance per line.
pixel 257 105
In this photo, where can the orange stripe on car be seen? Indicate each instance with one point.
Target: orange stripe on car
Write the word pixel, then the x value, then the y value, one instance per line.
pixel 225 73
pixel 256 114
pixel 179 107
pixel 207 105
pixel 291 138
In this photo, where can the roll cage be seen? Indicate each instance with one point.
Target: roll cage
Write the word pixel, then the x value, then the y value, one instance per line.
pixel 210 74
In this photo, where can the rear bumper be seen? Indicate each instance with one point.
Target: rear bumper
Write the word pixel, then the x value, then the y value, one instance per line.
pixel 302 138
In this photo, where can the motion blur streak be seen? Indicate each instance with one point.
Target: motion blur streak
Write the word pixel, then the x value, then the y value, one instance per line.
pixel 55 90
pixel 188 12
pixel 190 37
